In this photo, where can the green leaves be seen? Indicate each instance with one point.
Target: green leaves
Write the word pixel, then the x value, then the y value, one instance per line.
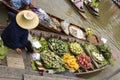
pixel 3 50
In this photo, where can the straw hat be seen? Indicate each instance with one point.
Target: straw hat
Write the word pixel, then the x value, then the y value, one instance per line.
pixel 27 19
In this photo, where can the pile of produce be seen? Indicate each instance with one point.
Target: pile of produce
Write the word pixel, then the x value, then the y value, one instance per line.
pixel 75 48
pixel 95 54
pixel 58 56
pixel 70 62
pixel 3 50
pixel 44 45
pixel 52 61
pixel 58 46
pixel 106 53
pixel 84 61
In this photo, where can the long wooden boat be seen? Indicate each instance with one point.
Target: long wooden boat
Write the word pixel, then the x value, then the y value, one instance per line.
pixel 47 35
pixel 93 12
pixel 115 1
pixel 82 13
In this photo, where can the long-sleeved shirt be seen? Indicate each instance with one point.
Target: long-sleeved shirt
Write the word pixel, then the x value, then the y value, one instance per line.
pixel 14 36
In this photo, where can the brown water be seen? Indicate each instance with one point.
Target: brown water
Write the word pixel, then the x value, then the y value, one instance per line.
pixel 107 25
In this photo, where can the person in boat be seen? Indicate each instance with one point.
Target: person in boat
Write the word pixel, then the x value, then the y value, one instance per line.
pixel 94 4
pixel 79 4
pixel 15 35
pixel 21 4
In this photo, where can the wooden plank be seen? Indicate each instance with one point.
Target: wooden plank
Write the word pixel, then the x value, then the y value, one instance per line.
pixel 11 73
pixel 33 77
pixel 15 73
pixel 9 79
pixel 67 76
pixel 14 60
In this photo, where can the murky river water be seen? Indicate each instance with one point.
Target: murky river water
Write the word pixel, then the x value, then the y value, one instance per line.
pixel 107 25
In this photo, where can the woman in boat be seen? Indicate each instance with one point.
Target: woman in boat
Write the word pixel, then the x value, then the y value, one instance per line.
pixel 94 4
pixel 15 35
pixel 21 4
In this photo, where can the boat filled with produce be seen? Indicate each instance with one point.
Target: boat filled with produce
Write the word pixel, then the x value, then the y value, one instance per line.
pixel 60 54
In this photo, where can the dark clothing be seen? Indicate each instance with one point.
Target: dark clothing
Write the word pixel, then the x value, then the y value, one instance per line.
pixel 29 47
pixel 14 36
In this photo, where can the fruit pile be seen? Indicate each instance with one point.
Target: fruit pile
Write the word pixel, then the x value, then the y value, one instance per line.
pixel 70 62
pixel 75 48
pixel 84 61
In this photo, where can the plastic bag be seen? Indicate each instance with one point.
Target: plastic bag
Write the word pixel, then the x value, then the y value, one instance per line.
pixel 36 56
pixel 65 26
pixel 16 4
pixel 26 2
pixel 43 17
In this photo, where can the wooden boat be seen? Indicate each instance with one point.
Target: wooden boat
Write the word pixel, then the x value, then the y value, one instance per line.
pixel 91 10
pixel 115 1
pixel 69 39
pixel 47 35
pixel 81 12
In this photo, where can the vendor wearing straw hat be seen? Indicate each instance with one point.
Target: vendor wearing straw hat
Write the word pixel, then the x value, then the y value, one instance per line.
pixel 15 35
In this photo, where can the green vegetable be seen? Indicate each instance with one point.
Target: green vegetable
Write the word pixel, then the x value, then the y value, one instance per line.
pixel 44 44
pixel 75 48
pixel 51 61
pixel 106 53
pixel 58 46
pixel 33 65
pixel 95 54
pixel 89 32
pixel 3 50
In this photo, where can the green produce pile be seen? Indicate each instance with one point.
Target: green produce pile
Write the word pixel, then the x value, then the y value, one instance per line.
pixel 44 44
pixel 95 54
pixel 106 53
pixel 75 48
pixel 52 61
pixel 89 32
pixel 56 54
pixel 58 46
pixel 3 50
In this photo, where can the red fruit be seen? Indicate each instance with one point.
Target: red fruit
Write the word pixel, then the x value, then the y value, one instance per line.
pixel 84 61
